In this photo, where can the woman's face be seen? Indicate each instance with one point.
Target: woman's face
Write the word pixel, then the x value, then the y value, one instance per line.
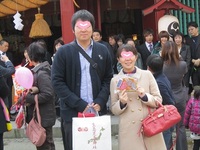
pixel 163 40
pixel 119 43
pixel 26 55
pixel 178 39
pixel 127 60
pixel 57 46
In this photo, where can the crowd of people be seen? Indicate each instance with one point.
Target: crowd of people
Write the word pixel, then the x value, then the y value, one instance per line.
pixel 166 71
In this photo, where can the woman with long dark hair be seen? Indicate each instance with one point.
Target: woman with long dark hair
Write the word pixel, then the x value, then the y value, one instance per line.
pixel 175 69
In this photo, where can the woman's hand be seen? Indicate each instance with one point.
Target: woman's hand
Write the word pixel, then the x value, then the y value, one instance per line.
pixel 140 91
pixel 34 90
pixel 123 97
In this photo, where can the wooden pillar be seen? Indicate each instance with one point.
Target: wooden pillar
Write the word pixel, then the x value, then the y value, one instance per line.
pixel 98 15
pixel 67 10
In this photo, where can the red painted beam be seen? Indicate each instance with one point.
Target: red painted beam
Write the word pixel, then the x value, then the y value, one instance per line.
pixel 67 10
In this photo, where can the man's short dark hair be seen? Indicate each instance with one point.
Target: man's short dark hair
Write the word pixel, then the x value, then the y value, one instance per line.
pixel 147 32
pixel 97 30
pixel 3 41
pixel 193 24
pixel 83 15
pixel 155 63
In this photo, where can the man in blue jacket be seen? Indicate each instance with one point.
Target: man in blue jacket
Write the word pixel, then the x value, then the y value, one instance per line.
pixel 155 65
pixel 81 86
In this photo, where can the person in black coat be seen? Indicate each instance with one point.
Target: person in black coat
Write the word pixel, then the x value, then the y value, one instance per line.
pixel 97 37
pixel 194 42
pixel 4 92
pixel 81 87
pixel 4 46
pixel 144 49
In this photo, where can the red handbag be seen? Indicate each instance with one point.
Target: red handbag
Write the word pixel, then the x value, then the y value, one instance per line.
pixel 34 131
pixel 160 120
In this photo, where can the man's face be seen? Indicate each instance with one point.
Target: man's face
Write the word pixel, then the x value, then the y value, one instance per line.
pixel 96 36
pixel 193 31
pixel 4 47
pixel 149 38
pixel 83 30
pixel 112 41
pixel 131 43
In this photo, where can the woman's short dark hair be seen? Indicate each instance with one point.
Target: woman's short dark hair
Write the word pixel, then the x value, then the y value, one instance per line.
pixel 83 15
pixel 127 48
pixel 56 42
pixel 37 51
pixel 179 34
pixel 163 34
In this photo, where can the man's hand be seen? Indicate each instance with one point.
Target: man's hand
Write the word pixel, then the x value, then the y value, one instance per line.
pixel 196 62
pixel 4 58
pixel 86 108
pixel 96 107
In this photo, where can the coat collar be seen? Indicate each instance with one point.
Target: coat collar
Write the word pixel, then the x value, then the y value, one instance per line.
pixel 136 75
pixel 41 65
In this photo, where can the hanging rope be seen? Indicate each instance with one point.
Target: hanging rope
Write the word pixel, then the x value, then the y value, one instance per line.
pixel 76 4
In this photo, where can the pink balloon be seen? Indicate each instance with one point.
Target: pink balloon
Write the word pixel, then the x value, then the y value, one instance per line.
pixel 24 77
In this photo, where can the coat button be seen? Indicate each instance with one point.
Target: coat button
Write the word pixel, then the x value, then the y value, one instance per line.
pixel 138 98
pixel 130 99
pixel 140 109
pixel 132 110
pixel 133 122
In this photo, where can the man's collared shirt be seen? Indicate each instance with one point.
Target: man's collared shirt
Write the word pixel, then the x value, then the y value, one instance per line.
pixel 86 83
pixel 148 45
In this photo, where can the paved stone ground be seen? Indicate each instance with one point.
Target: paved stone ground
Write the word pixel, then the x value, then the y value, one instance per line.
pixel 25 144
pixel 16 139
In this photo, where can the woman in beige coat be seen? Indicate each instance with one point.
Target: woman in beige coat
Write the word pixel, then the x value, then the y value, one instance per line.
pixel 132 91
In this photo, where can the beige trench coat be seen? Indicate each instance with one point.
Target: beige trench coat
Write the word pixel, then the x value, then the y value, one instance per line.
pixel 130 117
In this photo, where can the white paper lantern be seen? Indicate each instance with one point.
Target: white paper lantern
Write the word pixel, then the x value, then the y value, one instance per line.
pixel 168 23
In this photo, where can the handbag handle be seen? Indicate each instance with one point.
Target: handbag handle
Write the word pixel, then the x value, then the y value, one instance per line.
pixel 37 109
pixel 159 105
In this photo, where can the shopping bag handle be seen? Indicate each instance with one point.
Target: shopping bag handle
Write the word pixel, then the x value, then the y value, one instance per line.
pixel 96 113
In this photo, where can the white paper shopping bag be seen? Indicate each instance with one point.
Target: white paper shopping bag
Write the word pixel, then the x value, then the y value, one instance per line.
pixel 92 133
